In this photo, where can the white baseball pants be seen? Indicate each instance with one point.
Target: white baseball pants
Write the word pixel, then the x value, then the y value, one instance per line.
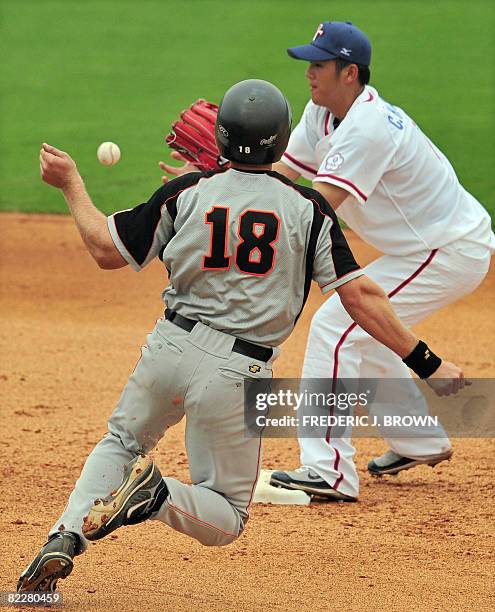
pixel 417 286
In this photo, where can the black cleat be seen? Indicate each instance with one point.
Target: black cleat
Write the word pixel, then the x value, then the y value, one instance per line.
pixel 304 479
pixel 54 561
pixel 391 463
pixel 141 493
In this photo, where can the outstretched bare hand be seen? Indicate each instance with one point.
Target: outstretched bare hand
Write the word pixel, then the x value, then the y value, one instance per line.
pixel 177 170
pixel 448 379
pixel 57 168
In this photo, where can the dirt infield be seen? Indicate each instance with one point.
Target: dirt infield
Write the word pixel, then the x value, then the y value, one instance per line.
pixel 70 336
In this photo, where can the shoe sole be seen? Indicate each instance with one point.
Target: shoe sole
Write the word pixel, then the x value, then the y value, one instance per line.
pixel 395 470
pixel 330 494
pixel 104 518
pixel 50 568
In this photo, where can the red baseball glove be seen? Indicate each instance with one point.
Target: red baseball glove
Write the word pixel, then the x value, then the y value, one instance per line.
pixel 193 136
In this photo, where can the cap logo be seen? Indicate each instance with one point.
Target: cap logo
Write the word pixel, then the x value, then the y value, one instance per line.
pixel 269 141
pixel 223 131
pixel 319 32
pixel 345 51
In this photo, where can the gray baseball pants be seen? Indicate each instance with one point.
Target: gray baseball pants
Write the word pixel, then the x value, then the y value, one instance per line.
pixel 198 375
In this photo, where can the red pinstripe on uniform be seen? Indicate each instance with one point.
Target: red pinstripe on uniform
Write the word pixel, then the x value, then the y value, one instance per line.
pixel 327 117
pixel 195 519
pixel 300 164
pixel 341 342
pixel 257 473
pixel 346 182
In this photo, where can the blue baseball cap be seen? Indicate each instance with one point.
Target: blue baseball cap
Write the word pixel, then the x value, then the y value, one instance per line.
pixel 335 39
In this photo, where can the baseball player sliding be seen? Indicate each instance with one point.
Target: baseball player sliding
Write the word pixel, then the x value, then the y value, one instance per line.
pixel 241 247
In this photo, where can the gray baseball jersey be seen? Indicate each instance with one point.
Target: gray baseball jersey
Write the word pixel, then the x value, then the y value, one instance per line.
pixel 241 249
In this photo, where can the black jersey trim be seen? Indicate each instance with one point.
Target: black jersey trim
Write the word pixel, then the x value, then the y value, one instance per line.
pixel 342 256
pixel 137 227
pixel 316 224
pixel 246 171
pixel 309 194
pixel 186 181
pixel 321 209
pixel 117 240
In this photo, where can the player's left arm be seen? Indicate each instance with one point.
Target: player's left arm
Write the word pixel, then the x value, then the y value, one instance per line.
pixel 59 170
pixel 369 307
pixel 333 195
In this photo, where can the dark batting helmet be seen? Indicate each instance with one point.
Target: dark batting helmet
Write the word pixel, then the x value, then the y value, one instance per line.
pixel 253 123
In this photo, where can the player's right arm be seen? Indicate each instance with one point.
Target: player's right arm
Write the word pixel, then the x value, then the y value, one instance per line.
pixel 59 170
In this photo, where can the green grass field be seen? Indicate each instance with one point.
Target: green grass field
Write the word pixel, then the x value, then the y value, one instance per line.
pixel 77 73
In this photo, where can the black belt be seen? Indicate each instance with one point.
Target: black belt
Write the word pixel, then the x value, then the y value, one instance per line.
pixel 260 353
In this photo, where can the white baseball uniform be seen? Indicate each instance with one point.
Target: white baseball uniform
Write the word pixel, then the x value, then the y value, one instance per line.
pixel 404 199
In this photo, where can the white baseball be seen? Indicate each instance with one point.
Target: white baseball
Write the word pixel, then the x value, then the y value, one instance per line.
pixel 108 153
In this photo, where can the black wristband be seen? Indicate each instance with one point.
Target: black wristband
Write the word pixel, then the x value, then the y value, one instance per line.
pixel 422 360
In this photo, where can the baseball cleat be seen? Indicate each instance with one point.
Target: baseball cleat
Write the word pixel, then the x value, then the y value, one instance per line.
pixel 305 479
pixel 54 561
pixel 391 463
pixel 141 493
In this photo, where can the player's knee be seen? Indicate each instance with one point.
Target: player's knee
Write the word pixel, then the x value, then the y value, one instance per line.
pixel 133 436
pixel 222 536
pixel 213 537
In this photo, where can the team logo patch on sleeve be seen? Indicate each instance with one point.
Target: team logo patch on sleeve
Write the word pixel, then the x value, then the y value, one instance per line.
pixel 334 162
pixel 254 368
